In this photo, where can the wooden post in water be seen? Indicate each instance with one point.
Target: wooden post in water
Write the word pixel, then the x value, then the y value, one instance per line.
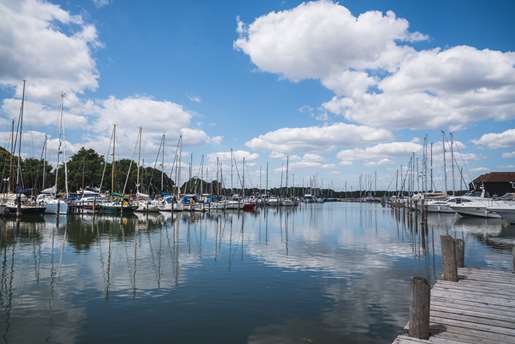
pixel 419 308
pixel 450 270
pixel 460 253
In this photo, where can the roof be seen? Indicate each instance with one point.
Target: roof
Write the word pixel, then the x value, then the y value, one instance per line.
pixel 495 177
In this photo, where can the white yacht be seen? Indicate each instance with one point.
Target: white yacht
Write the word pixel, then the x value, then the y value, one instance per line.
pixel 53 204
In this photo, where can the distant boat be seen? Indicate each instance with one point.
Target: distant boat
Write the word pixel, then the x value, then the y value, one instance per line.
pixel 117 207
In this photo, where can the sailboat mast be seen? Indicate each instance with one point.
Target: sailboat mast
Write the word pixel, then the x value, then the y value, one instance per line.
pixel 232 185
pixel 19 134
pixel 180 168
pixel 287 172
pixel 139 160
pixel 113 165
pixel 266 187
pixel 243 178
pixel 444 162
pixel 452 164
pixel 163 163
pixel 44 162
pixel 431 161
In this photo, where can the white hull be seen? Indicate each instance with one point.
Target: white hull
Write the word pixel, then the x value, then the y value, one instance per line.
pixel 51 207
pixel 475 211
pixel 147 207
pixel 439 207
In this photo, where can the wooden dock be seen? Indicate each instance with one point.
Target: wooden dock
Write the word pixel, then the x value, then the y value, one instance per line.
pixel 478 308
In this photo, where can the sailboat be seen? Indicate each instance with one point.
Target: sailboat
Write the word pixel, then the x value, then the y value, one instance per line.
pixel 118 203
pixel 54 205
pixel 18 203
pixel 143 202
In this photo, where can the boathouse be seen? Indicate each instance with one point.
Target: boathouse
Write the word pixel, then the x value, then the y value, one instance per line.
pixel 495 183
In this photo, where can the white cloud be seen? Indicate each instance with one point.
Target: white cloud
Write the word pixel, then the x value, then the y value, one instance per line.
pixel 101 3
pixel 318 39
pixel 509 155
pixel 195 99
pixel 377 77
pixel 47 46
pixel 378 154
pixel 317 138
pixel 33 141
pixel 156 117
pixel 309 161
pixel 497 140
pixel 40 115
pixel 237 155
pixel 438 88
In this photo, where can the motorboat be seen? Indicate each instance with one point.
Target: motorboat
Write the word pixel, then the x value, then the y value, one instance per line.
pixel 475 208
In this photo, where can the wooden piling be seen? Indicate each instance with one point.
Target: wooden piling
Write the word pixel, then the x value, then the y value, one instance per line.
pixel 450 269
pixel 419 308
pixel 460 253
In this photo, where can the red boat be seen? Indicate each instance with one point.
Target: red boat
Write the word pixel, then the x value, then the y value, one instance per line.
pixel 249 206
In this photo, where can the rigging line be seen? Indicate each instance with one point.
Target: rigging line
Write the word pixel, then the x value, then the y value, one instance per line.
pixel 130 166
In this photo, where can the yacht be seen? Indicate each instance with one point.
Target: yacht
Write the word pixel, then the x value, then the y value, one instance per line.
pixel 473 204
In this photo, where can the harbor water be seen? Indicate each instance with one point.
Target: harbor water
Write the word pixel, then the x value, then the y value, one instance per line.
pixel 317 273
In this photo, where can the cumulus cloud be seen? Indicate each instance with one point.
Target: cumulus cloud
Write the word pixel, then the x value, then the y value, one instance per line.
pixel 497 140
pixel 377 77
pixel 438 88
pixel 47 46
pixel 34 141
pixel 317 138
pixel 237 155
pixel 378 154
pixel 315 40
pixel 40 115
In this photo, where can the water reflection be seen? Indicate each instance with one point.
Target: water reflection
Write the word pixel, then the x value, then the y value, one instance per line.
pixel 320 272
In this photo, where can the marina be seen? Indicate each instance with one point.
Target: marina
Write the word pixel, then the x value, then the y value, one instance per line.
pixel 261 172
pixel 321 272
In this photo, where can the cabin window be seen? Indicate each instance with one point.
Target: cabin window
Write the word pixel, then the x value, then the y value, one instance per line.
pixel 512 185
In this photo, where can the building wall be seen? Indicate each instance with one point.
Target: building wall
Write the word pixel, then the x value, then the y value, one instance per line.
pixel 496 188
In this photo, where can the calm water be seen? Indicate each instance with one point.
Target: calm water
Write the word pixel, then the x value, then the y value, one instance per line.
pixel 323 273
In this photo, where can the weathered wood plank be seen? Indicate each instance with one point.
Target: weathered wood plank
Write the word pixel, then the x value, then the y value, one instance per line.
pixel 479 308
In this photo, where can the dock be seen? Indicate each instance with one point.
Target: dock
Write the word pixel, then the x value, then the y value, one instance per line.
pixel 477 308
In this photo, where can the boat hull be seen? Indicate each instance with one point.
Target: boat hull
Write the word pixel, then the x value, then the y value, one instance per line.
pixel 475 211
pixel 51 207
pixel 27 210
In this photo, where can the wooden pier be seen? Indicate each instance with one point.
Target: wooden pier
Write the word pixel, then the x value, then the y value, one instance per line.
pixel 477 308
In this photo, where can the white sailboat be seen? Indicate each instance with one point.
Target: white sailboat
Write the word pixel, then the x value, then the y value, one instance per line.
pixel 54 205
pixel 143 202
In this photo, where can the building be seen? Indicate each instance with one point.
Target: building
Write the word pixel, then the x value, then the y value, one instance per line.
pixel 495 183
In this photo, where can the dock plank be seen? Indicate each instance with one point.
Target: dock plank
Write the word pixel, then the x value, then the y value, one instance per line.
pixel 479 308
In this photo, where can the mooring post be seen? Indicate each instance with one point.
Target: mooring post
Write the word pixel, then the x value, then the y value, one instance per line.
pixel 460 253
pixel 450 269
pixel 419 308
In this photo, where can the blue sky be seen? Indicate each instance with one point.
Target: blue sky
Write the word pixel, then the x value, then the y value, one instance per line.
pixel 342 90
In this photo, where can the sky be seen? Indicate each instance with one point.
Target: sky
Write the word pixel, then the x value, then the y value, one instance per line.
pixel 343 89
